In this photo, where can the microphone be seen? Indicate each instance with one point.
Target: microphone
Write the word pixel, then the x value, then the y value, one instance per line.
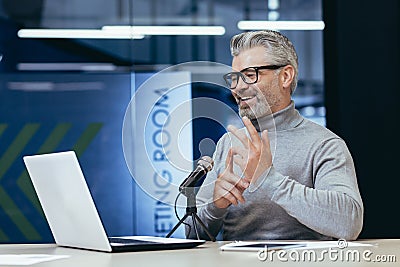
pixel 204 165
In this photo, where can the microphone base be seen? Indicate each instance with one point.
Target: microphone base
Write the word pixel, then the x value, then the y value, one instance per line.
pixel 191 210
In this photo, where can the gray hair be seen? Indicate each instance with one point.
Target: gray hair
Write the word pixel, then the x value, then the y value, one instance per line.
pixel 279 49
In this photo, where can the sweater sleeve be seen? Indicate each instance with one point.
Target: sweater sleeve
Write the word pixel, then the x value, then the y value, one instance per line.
pixel 333 206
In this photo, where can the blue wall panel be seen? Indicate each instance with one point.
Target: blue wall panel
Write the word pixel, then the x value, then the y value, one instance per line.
pixel 41 113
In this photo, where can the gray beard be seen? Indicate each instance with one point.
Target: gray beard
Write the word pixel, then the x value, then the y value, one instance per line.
pixel 260 110
pixel 263 107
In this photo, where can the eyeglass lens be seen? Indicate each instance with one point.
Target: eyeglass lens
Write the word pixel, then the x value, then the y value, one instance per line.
pixel 249 76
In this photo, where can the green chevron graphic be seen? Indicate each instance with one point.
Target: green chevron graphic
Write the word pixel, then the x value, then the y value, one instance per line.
pixel 13 153
pixel 87 136
pixel 3 236
pixel 49 145
pixel 7 204
pixel 14 150
pixel 17 216
pixel 2 128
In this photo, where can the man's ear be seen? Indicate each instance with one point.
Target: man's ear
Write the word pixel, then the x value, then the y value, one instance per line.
pixel 286 76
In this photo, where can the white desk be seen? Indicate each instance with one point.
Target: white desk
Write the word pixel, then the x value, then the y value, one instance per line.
pixel 207 255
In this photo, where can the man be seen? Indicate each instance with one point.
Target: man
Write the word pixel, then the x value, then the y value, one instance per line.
pixel 281 176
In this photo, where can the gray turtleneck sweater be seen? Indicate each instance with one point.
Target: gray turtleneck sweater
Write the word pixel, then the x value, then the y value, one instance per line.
pixel 310 192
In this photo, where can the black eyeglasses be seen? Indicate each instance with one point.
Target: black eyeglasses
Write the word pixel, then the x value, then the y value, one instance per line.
pixel 249 75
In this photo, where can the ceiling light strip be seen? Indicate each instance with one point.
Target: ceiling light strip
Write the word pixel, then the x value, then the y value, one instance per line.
pixel 75 33
pixel 167 30
pixel 299 25
pixel 121 32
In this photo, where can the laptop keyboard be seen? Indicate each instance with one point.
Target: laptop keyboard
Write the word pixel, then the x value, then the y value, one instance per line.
pixel 128 241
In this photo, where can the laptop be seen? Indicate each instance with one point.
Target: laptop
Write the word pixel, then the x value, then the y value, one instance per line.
pixel 71 213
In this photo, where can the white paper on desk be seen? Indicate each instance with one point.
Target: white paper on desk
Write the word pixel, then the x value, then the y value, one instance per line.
pixel 341 244
pixel 28 259
pixel 257 245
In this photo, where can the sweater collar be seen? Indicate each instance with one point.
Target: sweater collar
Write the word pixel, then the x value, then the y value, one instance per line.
pixel 284 119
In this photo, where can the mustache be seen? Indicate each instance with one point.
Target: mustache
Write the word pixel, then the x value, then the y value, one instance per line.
pixel 246 94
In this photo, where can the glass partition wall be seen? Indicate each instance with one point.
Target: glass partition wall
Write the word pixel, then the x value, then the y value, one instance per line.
pixel 69 68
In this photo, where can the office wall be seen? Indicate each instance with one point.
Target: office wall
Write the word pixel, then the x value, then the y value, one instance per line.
pixel 84 112
pixel 361 43
pixel 49 112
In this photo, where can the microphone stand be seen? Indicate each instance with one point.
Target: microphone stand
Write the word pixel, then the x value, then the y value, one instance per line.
pixel 191 210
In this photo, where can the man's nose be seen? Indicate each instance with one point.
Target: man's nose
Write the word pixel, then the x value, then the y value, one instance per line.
pixel 241 85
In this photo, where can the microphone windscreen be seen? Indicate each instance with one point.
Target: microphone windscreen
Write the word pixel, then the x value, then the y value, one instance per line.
pixel 207 162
